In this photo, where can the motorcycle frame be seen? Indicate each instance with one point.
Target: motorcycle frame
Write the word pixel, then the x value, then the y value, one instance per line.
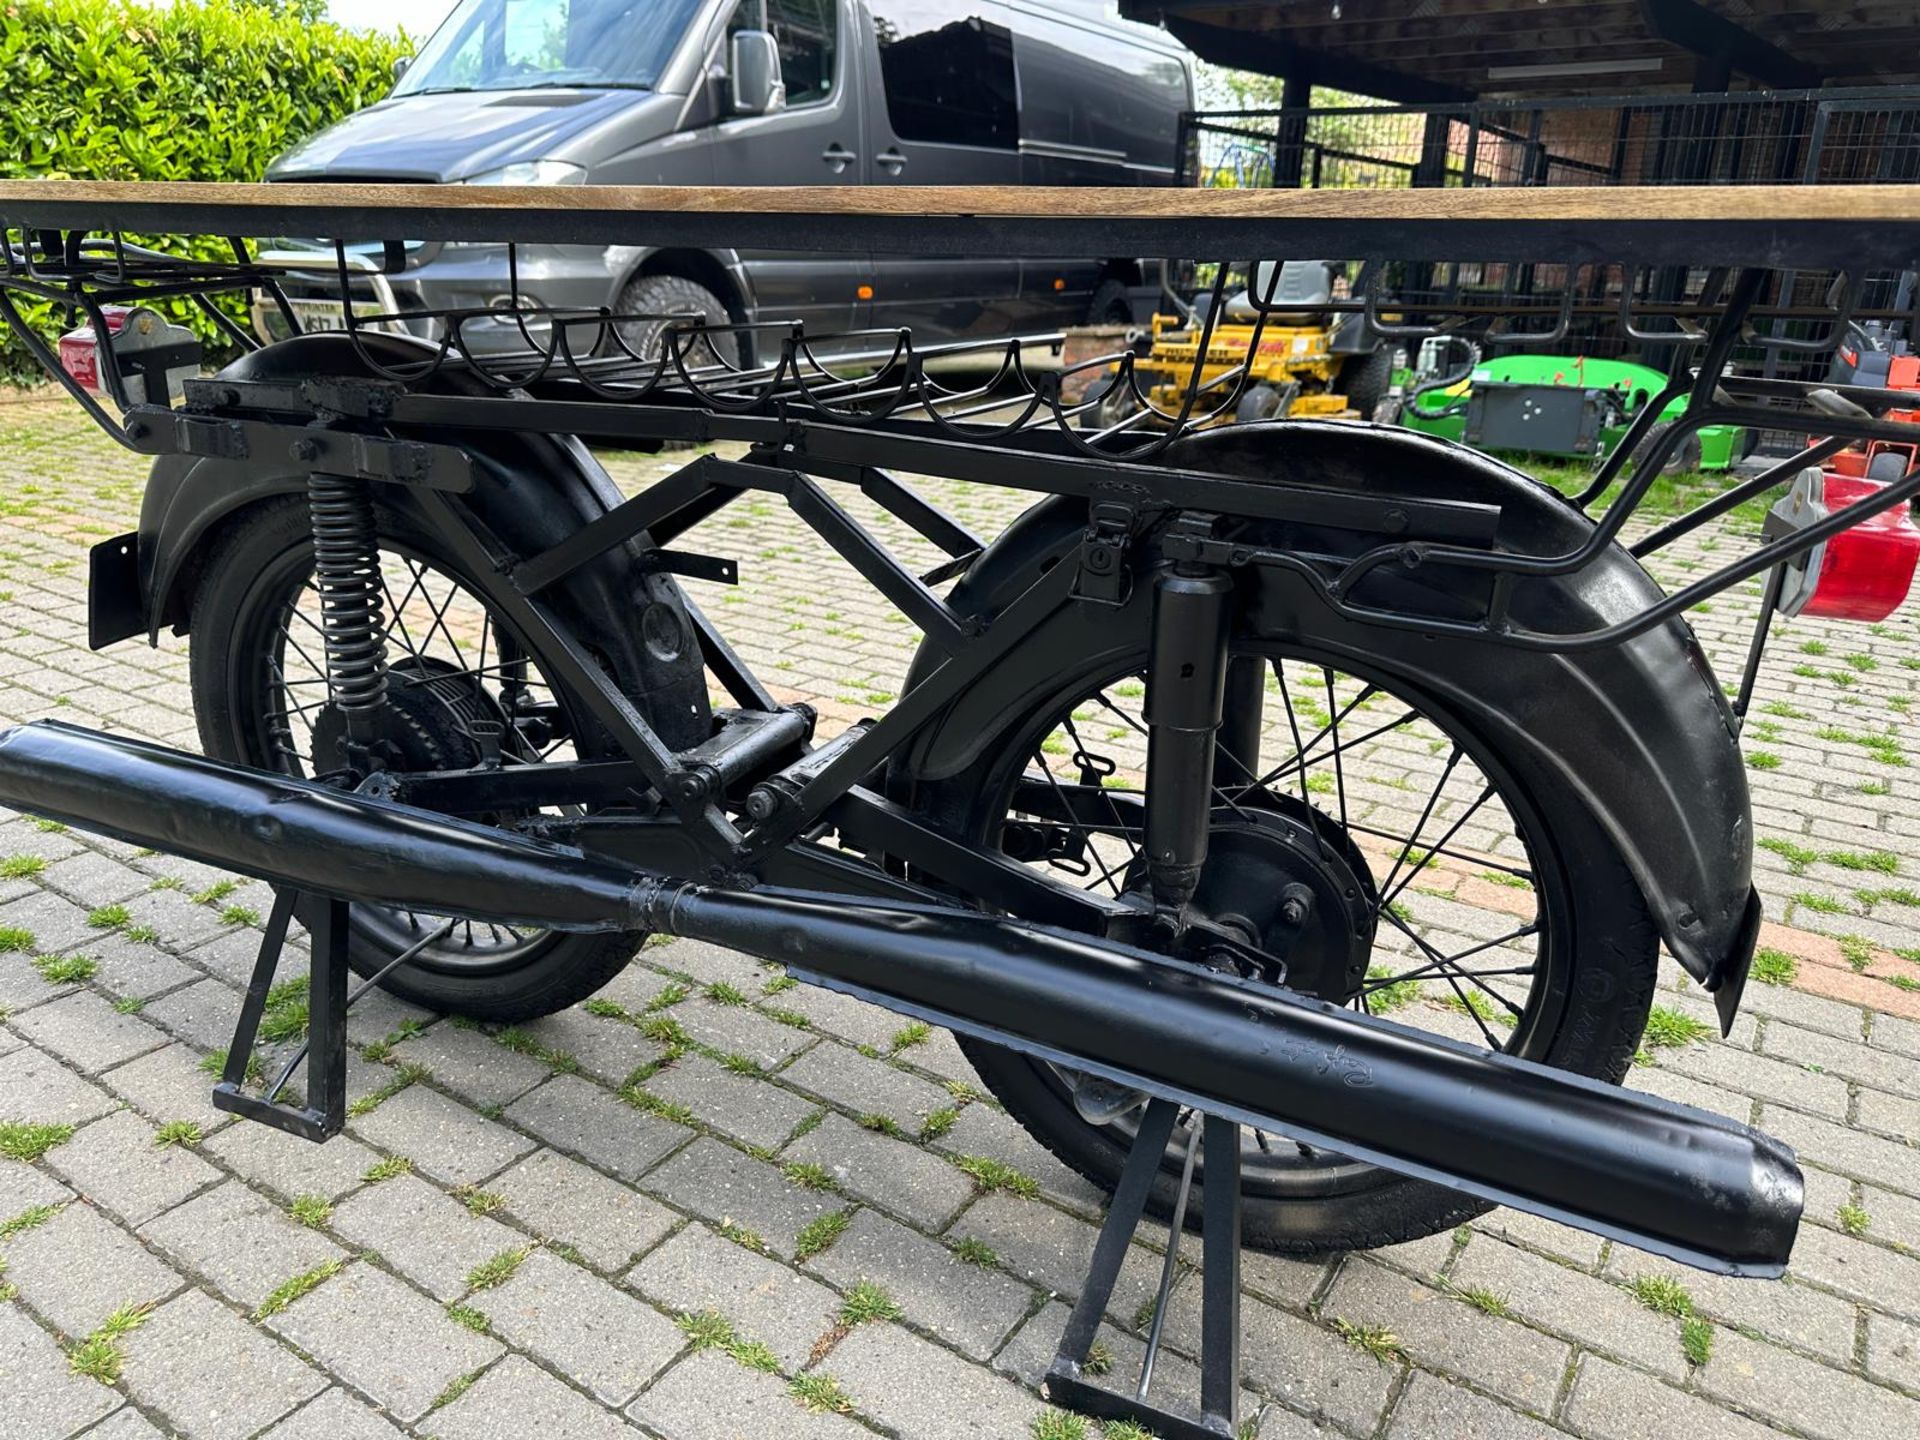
pixel 807 435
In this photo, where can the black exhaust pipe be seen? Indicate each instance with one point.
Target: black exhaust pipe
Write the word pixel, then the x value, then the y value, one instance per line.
pixel 1670 1179
pixel 293 832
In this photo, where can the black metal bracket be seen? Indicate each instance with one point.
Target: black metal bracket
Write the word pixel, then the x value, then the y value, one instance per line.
pixel 1103 576
pixel 1067 1381
pixel 156 430
pixel 327 1000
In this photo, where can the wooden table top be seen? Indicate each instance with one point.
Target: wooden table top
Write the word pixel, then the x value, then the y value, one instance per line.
pixel 1759 224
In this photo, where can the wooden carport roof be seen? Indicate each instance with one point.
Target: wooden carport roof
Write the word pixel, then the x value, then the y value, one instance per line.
pixel 1440 50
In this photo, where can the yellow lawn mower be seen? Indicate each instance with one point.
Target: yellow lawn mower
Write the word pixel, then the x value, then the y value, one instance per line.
pixel 1306 362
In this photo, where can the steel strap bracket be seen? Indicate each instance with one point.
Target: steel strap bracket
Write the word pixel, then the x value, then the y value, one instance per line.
pixel 1103 576
pixel 1067 1380
pixel 156 430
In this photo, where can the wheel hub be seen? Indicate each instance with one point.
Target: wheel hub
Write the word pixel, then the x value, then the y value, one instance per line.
pixel 1289 880
pixel 428 722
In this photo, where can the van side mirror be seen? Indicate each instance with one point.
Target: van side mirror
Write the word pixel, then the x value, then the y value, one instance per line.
pixel 401 64
pixel 756 86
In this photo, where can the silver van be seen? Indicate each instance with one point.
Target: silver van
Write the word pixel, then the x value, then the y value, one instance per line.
pixel 771 92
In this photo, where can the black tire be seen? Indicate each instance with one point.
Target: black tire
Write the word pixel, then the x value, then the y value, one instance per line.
pixel 1112 402
pixel 245 570
pixel 1686 455
pixel 1260 402
pixel 669 296
pixel 1586 1008
pixel 1111 305
pixel 1366 380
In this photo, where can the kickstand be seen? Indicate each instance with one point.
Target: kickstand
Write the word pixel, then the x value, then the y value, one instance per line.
pixel 326 1023
pixel 1066 1382
pixel 327 1003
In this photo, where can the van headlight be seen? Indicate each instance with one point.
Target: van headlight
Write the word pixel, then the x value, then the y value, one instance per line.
pixel 532 172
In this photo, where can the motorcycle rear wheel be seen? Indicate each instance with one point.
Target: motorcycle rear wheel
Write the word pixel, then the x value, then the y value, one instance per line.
pixel 258 695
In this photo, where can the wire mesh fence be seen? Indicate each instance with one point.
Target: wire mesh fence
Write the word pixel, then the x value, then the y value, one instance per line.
pixel 1862 136
pixel 1858 136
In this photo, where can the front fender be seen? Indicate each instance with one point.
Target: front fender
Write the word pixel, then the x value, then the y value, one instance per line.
pixel 1640 732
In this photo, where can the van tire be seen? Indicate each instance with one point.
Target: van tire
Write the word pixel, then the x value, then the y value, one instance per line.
pixel 675 295
pixel 1111 305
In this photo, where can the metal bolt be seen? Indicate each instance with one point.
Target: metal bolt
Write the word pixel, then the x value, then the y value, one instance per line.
pixel 1293 912
pixel 136 430
pixel 305 449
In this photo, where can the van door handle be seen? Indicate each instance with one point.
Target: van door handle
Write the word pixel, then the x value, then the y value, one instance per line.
pixel 891 160
pixel 838 157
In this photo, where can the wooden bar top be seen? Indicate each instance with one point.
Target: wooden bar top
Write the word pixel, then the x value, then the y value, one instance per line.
pixel 1759 224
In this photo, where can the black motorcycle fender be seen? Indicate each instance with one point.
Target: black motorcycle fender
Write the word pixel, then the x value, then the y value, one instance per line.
pixel 1640 731
pixel 536 490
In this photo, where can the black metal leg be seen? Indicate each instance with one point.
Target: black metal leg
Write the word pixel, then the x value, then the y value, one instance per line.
pixel 1220 1290
pixel 1236 757
pixel 1065 1383
pixel 1762 628
pixel 234 1073
pixel 327 1012
pixel 327 1000
pixel 1123 1218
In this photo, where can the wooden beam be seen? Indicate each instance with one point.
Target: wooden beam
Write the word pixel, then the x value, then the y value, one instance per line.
pixel 45 202
pixel 1693 27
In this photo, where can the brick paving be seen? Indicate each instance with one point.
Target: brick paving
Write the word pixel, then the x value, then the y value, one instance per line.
pixel 506 1246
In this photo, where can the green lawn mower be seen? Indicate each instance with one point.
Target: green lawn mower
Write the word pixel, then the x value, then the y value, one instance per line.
pixel 1571 405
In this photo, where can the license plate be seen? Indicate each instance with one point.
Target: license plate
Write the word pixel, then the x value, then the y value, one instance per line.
pixel 323 314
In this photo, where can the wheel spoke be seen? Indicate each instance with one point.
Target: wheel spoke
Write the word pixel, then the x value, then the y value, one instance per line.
pixel 1430 851
pixel 1453 759
pixel 1288 767
pixel 1333 726
pixel 1299 753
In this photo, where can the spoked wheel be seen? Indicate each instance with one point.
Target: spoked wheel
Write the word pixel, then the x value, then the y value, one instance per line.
pixel 1362 830
pixel 462 687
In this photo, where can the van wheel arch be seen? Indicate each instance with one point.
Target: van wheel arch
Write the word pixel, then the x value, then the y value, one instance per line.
pixel 705 269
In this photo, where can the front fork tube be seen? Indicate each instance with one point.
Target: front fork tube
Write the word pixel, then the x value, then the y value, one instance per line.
pixel 1186 683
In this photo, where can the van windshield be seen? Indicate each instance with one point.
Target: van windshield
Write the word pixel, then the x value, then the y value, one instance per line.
pixel 550 44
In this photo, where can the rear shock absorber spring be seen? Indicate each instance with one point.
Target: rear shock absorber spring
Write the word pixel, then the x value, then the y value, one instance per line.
pixel 346 571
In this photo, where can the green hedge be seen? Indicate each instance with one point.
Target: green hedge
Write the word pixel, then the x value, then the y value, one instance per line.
pixel 197 91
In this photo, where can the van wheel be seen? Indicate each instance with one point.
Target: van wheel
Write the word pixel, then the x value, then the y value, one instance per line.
pixel 1111 305
pixel 670 297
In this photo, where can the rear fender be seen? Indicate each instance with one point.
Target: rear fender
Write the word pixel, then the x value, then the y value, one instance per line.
pixel 532 490
pixel 1640 732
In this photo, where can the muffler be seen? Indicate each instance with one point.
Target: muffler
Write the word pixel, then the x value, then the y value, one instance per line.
pixel 1670 1179
pixel 294 832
